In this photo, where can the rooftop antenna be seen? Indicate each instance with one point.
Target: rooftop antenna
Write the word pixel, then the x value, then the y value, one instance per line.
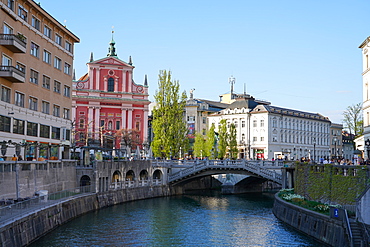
pixel 232 82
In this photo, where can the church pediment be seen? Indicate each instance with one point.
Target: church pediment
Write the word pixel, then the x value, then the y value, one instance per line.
pixel 112 61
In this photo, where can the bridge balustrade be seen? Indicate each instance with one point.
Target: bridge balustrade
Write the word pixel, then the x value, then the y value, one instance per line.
pixel 257 167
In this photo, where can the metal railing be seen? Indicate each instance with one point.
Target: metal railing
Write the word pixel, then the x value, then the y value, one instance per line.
pixel 13 209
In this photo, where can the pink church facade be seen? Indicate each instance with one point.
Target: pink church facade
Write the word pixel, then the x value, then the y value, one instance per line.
pixel 107 100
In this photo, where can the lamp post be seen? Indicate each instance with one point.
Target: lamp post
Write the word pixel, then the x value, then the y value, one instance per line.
pixel 335 148
pixel 314 150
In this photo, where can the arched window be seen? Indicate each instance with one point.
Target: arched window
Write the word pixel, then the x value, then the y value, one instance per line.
pixel 110 84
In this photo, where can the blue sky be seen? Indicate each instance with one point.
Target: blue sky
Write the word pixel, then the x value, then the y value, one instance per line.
pixel 301 55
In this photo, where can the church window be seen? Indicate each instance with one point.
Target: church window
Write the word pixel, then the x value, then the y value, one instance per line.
pixel 110 84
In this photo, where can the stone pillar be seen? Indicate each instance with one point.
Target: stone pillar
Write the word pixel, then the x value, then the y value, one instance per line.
pixel 123 80
pixel 97 79
pixel 90 119
pixel 129 119
pixel 145 125
pixel 97 123
pixel 129 83
pixel 124 117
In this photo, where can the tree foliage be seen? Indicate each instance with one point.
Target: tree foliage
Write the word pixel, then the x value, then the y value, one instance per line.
pixel 170 131
pixel 222 139
pixel 233 144
pixel 128 137
pixel 211 142
pixel 353 119
pixel 199 146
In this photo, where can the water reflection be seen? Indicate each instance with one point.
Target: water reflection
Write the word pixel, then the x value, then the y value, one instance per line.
pixel 189 220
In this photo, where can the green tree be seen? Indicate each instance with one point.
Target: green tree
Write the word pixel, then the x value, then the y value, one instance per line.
pixel 199 146
pixel 222 139
pixel 353 119
pixel 210 142
pixel 170 131
pixel 233 144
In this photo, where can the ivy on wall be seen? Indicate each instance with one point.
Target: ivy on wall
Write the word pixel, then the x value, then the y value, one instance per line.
pixel 330 183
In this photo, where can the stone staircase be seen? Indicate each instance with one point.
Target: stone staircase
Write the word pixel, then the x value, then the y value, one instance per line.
pixel 357 234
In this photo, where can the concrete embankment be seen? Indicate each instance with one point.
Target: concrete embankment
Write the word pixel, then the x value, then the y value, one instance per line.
pixel 23 231
pixel 319 226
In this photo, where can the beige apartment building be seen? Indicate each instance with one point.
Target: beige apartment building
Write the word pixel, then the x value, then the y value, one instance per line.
pixel 35 82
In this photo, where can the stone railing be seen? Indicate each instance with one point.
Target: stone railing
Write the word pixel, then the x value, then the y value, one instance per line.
pixel 255 167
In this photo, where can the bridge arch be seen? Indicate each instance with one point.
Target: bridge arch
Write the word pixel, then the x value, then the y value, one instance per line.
pixel 143 175
pixel 85 183
pixel 117 176
pixel 130 175
pixel 157 174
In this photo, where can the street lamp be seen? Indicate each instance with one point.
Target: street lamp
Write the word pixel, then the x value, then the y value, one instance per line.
pixel 314 150
pixel 335 147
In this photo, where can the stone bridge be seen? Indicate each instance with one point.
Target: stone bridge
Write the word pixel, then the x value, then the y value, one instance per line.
pixel 187 170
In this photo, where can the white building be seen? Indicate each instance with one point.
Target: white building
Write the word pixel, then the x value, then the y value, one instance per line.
pixel 366 89
pixel 270 132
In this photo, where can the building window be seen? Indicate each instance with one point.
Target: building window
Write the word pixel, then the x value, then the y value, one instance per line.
pixel 82 123
pixel 67 91
pixel 118 125
pixel 19 99
pixel 4 124
pixel 57 63
pixel 34 77
pixel 67 68
pixel 32 102
pixel 204 120
pixel 68 135
pixel 110 84
pixel 58 39
pixel 47 32
pixel 22 12
pixel 55 133
pixel 32 129
pixel 44 131
pixel 45 82
pixel 243 124
pixel 35 50
pixel 262 123
pixel 110 125
pixel 35 23
pixel 102 123
pixel 57 86
pixel 20 67
pixel 56 111
pixel 45 107
pixel 5 94
pixel 7 29
pixel 254 138
pixel 11 4
pixel 262 138
pixel 18 126
pixel 47 57
pixel 68 46
pixel 66 113
pixel 137 126
pixel 6 61
pixel 255 123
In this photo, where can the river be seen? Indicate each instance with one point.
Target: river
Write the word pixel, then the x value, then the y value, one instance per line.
pixel 188 220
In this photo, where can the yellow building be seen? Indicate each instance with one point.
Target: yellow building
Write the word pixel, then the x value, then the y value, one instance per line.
pixel 35 81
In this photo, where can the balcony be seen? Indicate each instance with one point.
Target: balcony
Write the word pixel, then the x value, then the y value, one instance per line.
pixel 12 74
pixel 15 43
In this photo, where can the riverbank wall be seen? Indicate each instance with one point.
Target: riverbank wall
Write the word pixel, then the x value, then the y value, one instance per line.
pixel 319 226
pixel 30 227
